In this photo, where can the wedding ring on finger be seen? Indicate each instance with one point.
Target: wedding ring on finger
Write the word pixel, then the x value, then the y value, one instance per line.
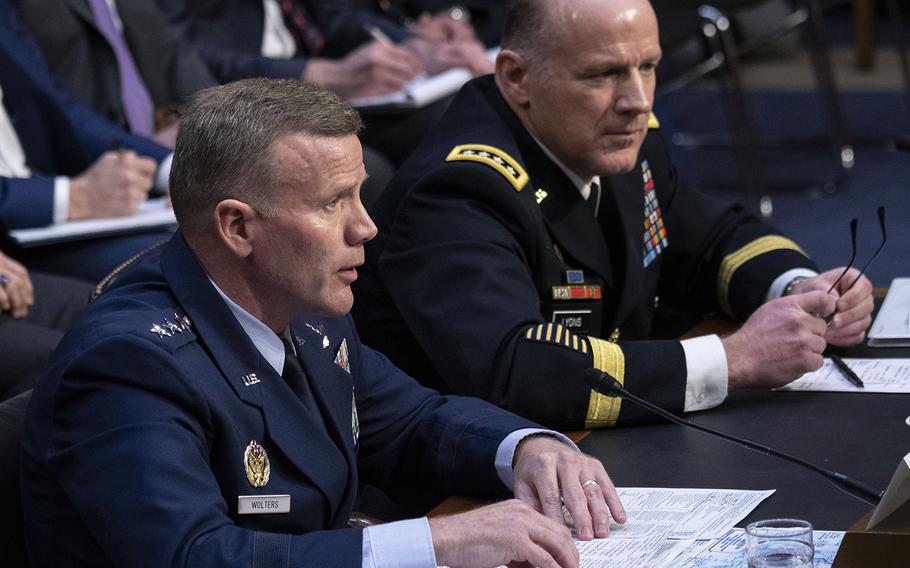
pixel 4 280
pixel 588 483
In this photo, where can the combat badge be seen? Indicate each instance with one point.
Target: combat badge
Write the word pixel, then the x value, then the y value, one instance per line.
pixel 256 463
pixel 341 357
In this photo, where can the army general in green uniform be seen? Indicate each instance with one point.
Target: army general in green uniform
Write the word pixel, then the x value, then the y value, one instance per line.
pixel 536 232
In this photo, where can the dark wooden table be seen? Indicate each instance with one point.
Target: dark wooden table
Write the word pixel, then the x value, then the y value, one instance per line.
pixel 862 435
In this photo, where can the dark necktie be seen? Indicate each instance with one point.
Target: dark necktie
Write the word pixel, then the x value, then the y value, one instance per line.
pixel 301 29
pixel 137 103
pixel 295 377
pixel 594 197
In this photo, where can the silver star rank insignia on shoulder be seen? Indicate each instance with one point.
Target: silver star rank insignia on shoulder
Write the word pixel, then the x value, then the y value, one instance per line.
pixel 169 328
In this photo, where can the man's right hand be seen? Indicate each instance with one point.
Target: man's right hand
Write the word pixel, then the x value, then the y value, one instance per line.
pixel 375 68
pixel 503 533
pixel 780 342
pixel 114 186
pixel 16 292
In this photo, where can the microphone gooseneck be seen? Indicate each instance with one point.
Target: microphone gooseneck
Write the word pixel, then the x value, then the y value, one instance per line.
pixel 607 385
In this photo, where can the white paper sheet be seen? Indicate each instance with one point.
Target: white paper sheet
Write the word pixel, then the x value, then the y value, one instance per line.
pixel 152 214
pixel 878 375
pixel 664 524
pixel 729 551
pixel 891 327
pixel 423 90
pixel 693 513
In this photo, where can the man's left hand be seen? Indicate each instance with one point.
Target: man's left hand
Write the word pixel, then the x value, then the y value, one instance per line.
pixel 549 473
pixel 853 315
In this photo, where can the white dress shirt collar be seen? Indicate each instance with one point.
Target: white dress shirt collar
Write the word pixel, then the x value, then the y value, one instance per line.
pixel 267 343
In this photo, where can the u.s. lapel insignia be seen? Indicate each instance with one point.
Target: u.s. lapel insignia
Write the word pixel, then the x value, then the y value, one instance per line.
pixel 355 421
pixel 540 195
pixel 320 331
pixel 256 463
pixel 341 357
pixel 655 234
pixel 249 380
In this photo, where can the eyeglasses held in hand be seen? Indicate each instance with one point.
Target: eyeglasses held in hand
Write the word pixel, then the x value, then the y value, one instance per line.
pixel 853 226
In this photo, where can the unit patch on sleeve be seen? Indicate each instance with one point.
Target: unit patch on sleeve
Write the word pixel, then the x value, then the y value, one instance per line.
pixel 493 157
pixel 655 234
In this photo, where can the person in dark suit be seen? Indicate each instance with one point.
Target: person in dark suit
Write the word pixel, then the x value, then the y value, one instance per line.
pixel 60 161
pixel 84 57
pixel 35 310
pixel 539 228
pixel 326 46
pixel 215 407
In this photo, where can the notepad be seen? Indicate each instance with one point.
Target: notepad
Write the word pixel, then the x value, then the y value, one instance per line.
pixel 153 214
pixel 422 90
pixel 891 327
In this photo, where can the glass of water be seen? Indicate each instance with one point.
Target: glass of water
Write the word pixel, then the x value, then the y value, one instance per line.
pixel 780 543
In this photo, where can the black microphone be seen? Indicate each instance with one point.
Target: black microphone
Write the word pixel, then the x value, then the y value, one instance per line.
pixel 607 385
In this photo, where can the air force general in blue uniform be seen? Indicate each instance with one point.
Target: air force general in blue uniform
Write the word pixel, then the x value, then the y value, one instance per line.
pixel 161 415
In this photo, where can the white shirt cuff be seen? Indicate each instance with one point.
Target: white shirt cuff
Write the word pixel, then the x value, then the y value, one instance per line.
pixel 506 451
pixel 405 544
pixel 61 199
pixel 706 372
pixel 163 175
pixel 776 290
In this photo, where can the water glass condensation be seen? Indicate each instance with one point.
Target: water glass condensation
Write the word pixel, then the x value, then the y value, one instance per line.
pixel 780 543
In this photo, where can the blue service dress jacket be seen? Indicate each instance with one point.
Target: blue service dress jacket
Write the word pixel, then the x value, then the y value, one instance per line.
pixel 59 135
pixel 492 277
pixel 158 413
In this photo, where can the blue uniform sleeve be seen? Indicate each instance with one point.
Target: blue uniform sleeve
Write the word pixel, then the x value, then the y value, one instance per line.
pixel 26 202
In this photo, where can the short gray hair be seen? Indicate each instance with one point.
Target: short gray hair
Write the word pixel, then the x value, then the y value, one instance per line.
pixel 525 26
pixel 225 139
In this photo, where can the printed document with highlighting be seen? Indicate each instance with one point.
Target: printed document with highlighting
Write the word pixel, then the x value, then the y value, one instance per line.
pixel 878 375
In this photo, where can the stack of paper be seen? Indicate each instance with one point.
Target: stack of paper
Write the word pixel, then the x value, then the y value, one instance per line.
pixel 891 327
pixel 667 526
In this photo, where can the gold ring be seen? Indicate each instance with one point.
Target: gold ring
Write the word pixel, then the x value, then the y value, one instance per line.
pixel 588 483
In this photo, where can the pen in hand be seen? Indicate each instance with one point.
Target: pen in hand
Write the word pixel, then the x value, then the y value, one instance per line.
pixel 378 34
pixel 846 371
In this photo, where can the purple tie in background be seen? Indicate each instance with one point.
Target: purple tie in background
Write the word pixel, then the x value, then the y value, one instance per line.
pixel 137 104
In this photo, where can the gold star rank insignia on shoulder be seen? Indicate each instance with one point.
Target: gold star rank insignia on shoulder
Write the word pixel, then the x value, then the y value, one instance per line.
pixel 494 158
pixel 256 463
pixel 341 357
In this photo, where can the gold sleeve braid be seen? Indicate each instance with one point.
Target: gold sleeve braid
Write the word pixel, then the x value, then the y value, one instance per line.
pixel 603 411
pixel 735 260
